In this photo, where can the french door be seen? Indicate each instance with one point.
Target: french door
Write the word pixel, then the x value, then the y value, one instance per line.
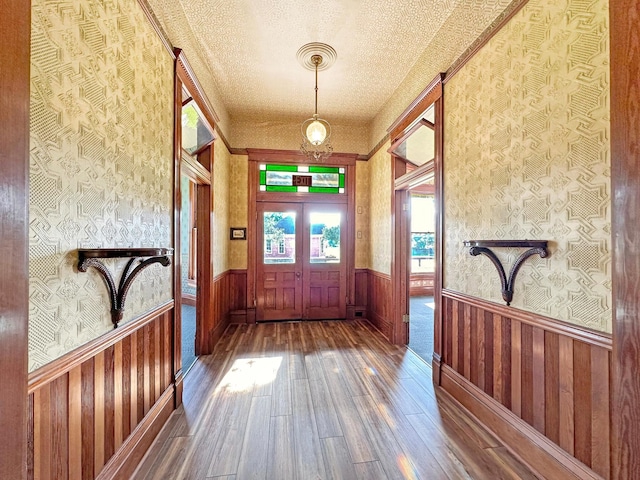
pixel 301 271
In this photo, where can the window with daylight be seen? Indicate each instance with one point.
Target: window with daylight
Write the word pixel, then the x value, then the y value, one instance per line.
pixel 302 179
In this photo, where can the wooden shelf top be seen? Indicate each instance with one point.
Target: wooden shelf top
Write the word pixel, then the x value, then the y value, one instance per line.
pixel 506 243
pixel 123 252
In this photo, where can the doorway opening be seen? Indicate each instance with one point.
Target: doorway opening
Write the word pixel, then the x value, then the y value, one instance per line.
pixel 416 150
pixel 422 271
pixel 188 269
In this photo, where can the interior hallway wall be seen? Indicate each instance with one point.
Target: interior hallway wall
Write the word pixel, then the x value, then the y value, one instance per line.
pixel 101 161
pixel 527 156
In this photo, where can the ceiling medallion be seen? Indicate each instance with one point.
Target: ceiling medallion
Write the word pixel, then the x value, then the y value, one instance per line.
pixel 316 132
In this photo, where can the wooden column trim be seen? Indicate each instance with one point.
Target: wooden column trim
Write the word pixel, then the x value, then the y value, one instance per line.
pixel 624 18
pixel 15 31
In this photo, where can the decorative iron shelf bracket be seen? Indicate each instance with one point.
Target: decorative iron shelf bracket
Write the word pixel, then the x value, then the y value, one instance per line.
pixel 92 258
pixel 483 247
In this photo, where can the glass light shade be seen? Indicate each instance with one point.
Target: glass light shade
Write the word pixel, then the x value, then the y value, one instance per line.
pixel 316 133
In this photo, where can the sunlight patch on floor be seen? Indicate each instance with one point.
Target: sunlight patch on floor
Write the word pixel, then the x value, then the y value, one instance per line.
pixel 249 372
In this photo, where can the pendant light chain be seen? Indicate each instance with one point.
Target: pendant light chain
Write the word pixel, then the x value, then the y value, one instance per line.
pixel 316 132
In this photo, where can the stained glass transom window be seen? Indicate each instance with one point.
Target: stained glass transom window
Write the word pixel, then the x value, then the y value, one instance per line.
pixel 302 179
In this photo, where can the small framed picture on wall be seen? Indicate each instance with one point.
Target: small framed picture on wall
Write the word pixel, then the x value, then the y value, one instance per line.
pixel 238 233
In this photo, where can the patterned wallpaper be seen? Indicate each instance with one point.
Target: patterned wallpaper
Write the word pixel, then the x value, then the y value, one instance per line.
pixel 221 169
pixel 238 208
pixel 172 19
pixel 362 253
pixel 466 23
pixel 284 133
pixel 101 164
pixel 380 210
pixel 527 156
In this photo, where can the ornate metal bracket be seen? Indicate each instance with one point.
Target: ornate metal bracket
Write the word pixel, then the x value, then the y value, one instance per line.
pixel 91 258
pixel 482 247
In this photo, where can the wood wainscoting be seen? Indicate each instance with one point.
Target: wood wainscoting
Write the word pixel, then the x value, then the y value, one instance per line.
pixel 541 385
pixel 421 284
pixel 380 303
pixel 93 413
pixel 230 301
pixel 361 293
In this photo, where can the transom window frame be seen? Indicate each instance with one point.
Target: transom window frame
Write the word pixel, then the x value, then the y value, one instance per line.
pixel 339 188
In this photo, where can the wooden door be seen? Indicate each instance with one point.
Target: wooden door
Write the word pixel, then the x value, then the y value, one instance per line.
pixel 301 270
pixel 279 272
pixel 324 272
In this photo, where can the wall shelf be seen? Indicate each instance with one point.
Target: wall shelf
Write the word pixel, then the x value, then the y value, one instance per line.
pixel 483 247
pixel 88 257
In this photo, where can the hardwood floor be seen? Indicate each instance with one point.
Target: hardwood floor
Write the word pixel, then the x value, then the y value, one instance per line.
pixel 320 400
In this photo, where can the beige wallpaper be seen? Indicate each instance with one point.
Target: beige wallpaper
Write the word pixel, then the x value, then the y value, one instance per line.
pixel 527 157
pixel 465 24
pixel 363 236
pixel 380 210
pixel 284 133
pixel 101 164
pixel 238 208
pixel 221 169
pixel 173 21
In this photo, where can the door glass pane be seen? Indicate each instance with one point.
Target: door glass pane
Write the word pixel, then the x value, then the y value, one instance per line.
pixel 279 237
pixel 325 237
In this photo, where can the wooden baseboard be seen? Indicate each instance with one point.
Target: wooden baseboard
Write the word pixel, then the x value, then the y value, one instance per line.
pixel 541 455
pixel 126 460
pixel 217 332
pixel 188 299
pixel 238 316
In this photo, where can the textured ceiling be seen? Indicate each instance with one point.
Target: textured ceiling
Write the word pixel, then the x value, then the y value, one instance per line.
pixel 250 46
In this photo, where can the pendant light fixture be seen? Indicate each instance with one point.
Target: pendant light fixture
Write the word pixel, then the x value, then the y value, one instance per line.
pixel 316 132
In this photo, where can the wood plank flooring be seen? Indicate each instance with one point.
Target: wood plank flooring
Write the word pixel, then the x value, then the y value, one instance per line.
pixel 320 400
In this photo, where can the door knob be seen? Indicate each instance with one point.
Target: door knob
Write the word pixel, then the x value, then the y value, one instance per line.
pixel 298 274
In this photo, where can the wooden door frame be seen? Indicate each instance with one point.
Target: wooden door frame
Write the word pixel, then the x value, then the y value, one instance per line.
pixel 398 131
pixel 15 32
pixel 257 156
pixel 625 186
pixel 200 169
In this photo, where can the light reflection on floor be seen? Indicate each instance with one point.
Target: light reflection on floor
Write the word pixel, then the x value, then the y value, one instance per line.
pixel 245 373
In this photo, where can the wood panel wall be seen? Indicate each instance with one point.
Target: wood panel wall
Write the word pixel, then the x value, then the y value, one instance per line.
pixel 553 376
pixel 361 293
pixel 238 296
pixel 380 303
pixel 93 412
pixel 229 301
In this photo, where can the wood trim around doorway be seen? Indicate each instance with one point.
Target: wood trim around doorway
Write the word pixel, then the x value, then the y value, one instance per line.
pixel 348 161
pixel 15 30
pixel 625 185
pixel 401 182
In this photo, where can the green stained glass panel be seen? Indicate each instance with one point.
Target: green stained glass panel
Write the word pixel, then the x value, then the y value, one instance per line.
pixel 323 190
pixel 281 188
pixel 324 170
pixel 279 178
pixel 282 168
